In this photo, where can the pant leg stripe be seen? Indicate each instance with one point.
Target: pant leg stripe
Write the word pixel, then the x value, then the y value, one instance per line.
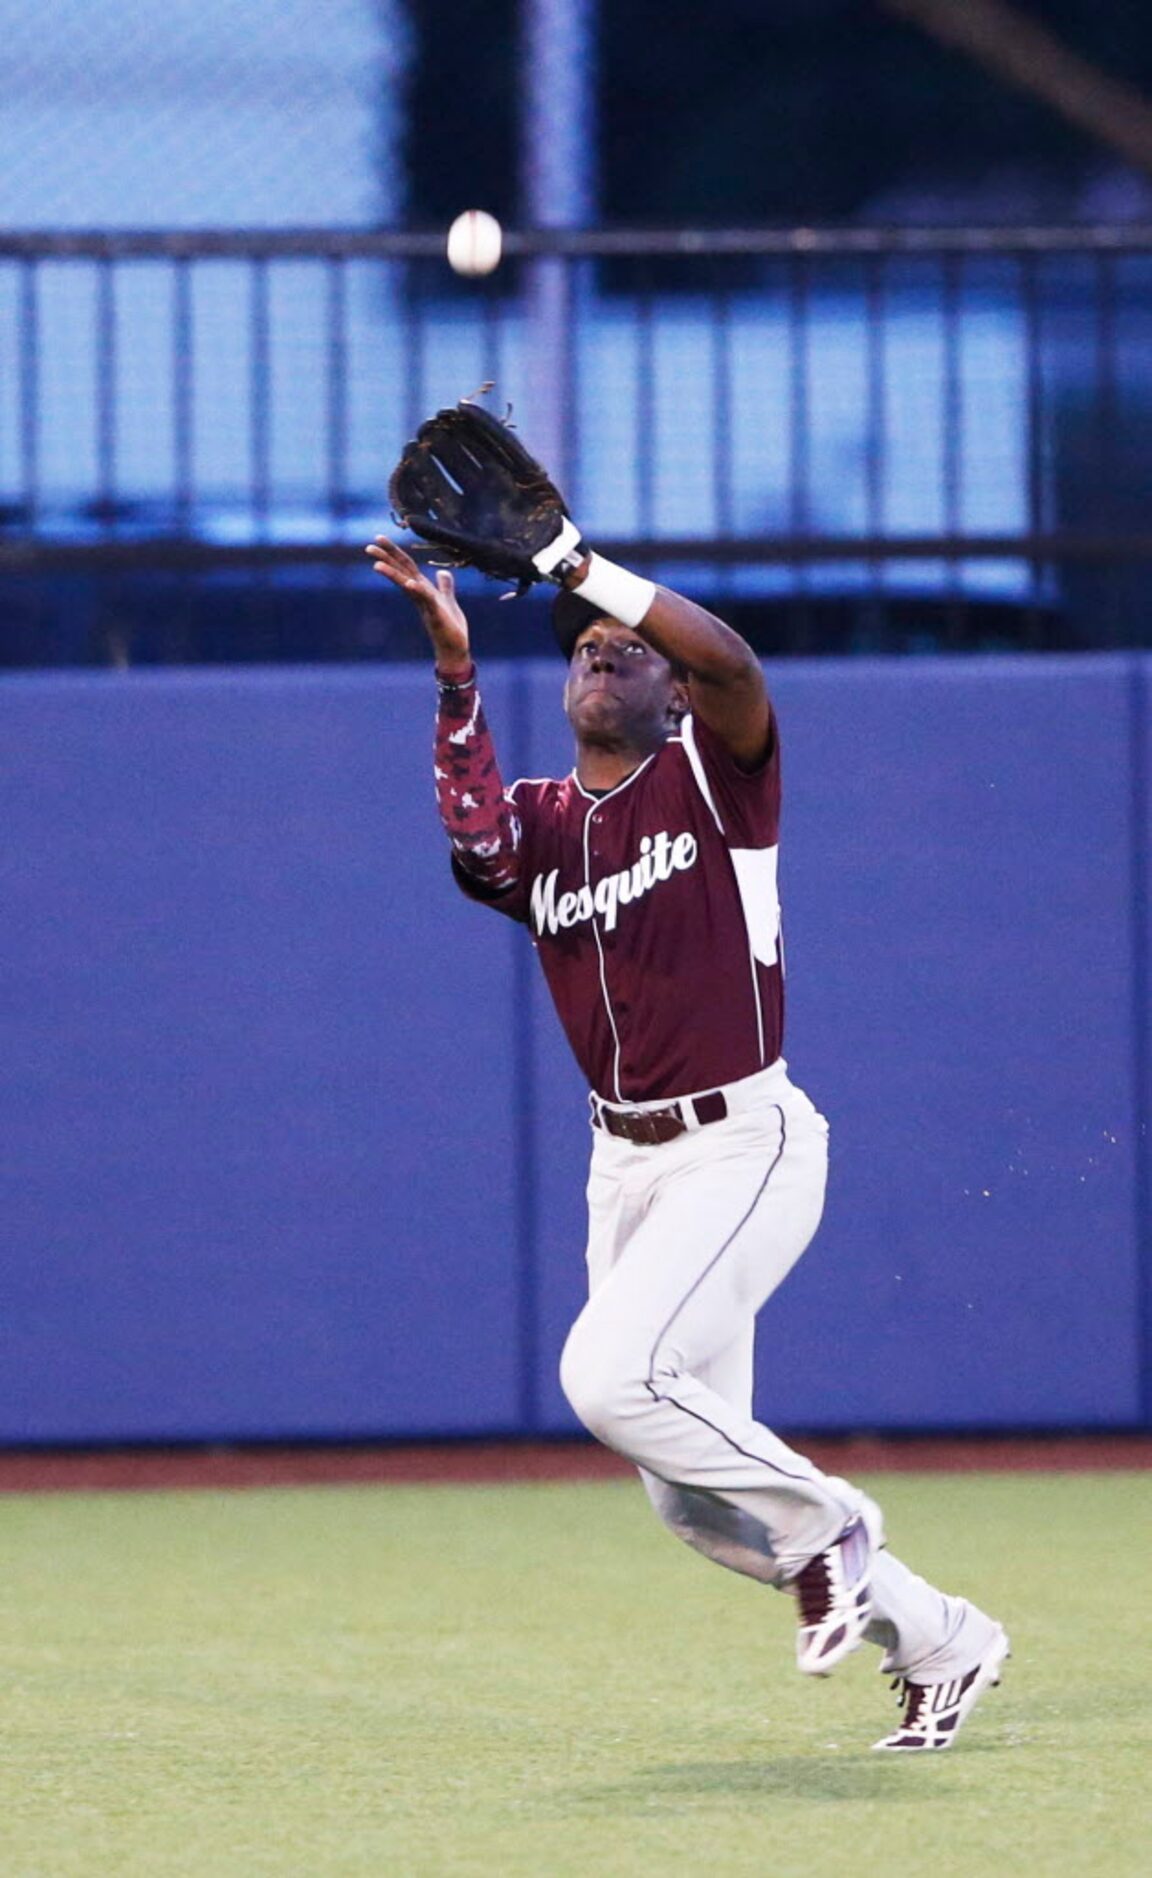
pixel 649 1382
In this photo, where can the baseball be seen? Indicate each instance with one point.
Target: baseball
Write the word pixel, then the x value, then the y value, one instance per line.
pixel 475 243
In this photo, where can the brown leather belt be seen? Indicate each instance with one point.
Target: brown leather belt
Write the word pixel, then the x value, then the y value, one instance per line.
pixel 648 1128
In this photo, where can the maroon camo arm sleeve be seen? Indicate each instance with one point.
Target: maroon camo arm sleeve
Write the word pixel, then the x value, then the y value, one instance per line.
pixel 479 819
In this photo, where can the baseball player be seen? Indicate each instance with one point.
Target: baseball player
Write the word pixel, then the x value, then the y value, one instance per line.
pixel 647 880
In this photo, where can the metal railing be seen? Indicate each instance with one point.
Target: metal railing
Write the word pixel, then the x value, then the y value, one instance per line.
pixel 942 427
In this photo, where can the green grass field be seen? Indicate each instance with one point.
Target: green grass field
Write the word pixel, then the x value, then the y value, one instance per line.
pixel 537 1680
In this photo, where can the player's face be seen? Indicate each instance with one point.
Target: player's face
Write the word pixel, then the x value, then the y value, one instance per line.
pixel 618 687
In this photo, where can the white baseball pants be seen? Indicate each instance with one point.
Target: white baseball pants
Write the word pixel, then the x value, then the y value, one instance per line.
pixel 686 1241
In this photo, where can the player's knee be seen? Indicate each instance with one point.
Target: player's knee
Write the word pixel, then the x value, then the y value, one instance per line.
pixel 601 1389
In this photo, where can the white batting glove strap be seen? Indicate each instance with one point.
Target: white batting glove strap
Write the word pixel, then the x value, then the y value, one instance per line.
pixel 617 591
pixel 565 548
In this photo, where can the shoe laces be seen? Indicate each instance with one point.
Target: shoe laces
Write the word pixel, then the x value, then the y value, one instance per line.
pixel 911 1697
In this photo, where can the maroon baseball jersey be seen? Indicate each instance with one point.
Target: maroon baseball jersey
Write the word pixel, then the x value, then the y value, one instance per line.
pixel 655 913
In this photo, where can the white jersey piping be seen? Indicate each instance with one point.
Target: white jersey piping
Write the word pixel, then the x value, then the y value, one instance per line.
pixel 590 795
pixel 688 738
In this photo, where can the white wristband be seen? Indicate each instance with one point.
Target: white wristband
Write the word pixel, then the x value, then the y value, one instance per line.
pixel 622 595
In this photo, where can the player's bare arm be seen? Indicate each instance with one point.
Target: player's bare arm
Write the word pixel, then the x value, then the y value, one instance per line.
pixel 440 611
pixel 725 683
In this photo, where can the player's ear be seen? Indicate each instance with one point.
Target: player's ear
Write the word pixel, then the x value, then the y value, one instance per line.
pixel 678 704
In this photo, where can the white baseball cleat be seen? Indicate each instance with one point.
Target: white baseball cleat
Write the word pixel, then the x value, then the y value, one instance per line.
pixel 834 1592
pixel 934 1713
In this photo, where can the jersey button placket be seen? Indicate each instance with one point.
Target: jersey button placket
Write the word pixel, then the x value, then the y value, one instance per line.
pixel 604 940
pixel 595 855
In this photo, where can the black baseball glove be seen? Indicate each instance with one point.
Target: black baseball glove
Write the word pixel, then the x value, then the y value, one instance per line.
pixel 466 483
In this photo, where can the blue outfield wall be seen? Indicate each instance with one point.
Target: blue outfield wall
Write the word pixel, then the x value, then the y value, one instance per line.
pixel 293 1147
pixel 256 1089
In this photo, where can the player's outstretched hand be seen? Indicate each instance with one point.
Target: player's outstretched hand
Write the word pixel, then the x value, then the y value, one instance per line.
pixel 437 605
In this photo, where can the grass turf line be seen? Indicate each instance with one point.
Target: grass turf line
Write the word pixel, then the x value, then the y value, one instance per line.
pixel 536 1681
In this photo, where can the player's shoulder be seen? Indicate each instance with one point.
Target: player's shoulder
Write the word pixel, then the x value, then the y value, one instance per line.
pixel 706 752
pixel 743 803
pixel 542 792
pixel 669 760
pixel 697 735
